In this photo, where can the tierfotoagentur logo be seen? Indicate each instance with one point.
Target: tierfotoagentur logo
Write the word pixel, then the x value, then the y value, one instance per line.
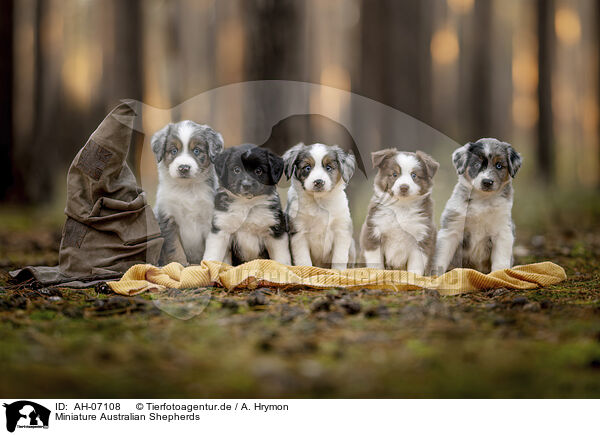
pixel 25 414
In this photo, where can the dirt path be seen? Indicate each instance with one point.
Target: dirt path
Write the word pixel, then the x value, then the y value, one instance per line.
pixel 501 343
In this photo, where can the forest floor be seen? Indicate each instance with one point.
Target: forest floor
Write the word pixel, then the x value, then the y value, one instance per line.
pixel 58 342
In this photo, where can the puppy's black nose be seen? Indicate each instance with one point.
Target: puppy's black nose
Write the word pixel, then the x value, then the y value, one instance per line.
pixel 404 189
pixel 245 184
pixel 184 169
pixel 319 183
pixel 487 182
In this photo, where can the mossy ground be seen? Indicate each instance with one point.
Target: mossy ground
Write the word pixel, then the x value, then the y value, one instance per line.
pixel 267 343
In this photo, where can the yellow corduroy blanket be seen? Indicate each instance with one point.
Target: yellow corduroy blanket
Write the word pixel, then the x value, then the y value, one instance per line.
pixel 269 273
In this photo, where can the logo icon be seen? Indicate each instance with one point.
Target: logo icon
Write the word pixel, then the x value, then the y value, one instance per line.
pixel 26 414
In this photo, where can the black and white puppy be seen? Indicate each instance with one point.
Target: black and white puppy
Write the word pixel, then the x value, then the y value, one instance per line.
pixel 248 221
pixel 186 187
pixel 318 214
pixel 477 230
pixel 399 232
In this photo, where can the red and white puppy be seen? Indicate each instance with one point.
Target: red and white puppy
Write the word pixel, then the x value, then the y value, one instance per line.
pixel 185 152
pixel 399 232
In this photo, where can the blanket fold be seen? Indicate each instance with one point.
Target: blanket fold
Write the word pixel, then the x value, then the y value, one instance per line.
pixel 269 273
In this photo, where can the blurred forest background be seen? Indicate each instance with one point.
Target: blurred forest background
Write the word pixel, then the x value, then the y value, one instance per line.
pixel 524 71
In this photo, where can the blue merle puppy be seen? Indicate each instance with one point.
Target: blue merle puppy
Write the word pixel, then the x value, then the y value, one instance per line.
pixel 477 230
pixel 248 221
pixel 185 152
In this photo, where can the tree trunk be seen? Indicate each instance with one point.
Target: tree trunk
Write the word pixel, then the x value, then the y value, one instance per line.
pixel 6 109
pixel 273 35
pixel 31 157
pixel 545 142
pixel 598 80
pixel 127 75
pixel 481 102
pixel 396 66
pixel 272 39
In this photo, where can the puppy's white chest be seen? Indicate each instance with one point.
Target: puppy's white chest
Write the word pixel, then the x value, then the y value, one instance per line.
pixel 487 219
pixel 320 226
pixel 401 230
pixel 410 220
pixel 192 209
pixel 483 223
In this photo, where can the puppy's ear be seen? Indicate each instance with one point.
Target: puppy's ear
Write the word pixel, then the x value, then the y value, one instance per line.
pixel 289 159
pixel 275 167
pixel 214 141
pixel 159 142
pixel 220 161
pixel 430 164
pixel 514 161
pixel 347 163
pixel 378 157
pixel 459 158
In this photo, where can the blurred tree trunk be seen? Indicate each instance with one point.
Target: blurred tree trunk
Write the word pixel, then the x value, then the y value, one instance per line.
pixel 480 103
pixel 6 110
pixel 396 66
pixel 274 44
pixel 32 157
pixel 546 42
pixel 128 82
pixel 424 62
pixel 474 96
pixel 272 38
pixel 127 75
pixel 175 48
pixel 598 78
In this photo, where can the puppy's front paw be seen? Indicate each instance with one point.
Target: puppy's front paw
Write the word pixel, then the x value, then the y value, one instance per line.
pixel 378 266
pixel 303 263
pixel 437 271
pixel 417 271
pixel 500 266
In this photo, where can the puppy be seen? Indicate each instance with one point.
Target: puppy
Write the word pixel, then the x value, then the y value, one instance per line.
pixel 318 215
pixel 248 221
pixel 477 230
pixel 186 187
pixel 399 232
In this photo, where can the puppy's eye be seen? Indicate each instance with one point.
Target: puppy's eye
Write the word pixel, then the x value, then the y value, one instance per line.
pixel 237 170
pixel 173 151
pixel 307 169
pixel 258 171
pixel 196 151
pixel 413 175
pixel 499 166
pixel 328 168
pixel 395 174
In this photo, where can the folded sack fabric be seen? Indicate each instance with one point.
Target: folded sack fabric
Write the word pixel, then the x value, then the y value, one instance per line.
pixel 109 225
pixel 269 273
